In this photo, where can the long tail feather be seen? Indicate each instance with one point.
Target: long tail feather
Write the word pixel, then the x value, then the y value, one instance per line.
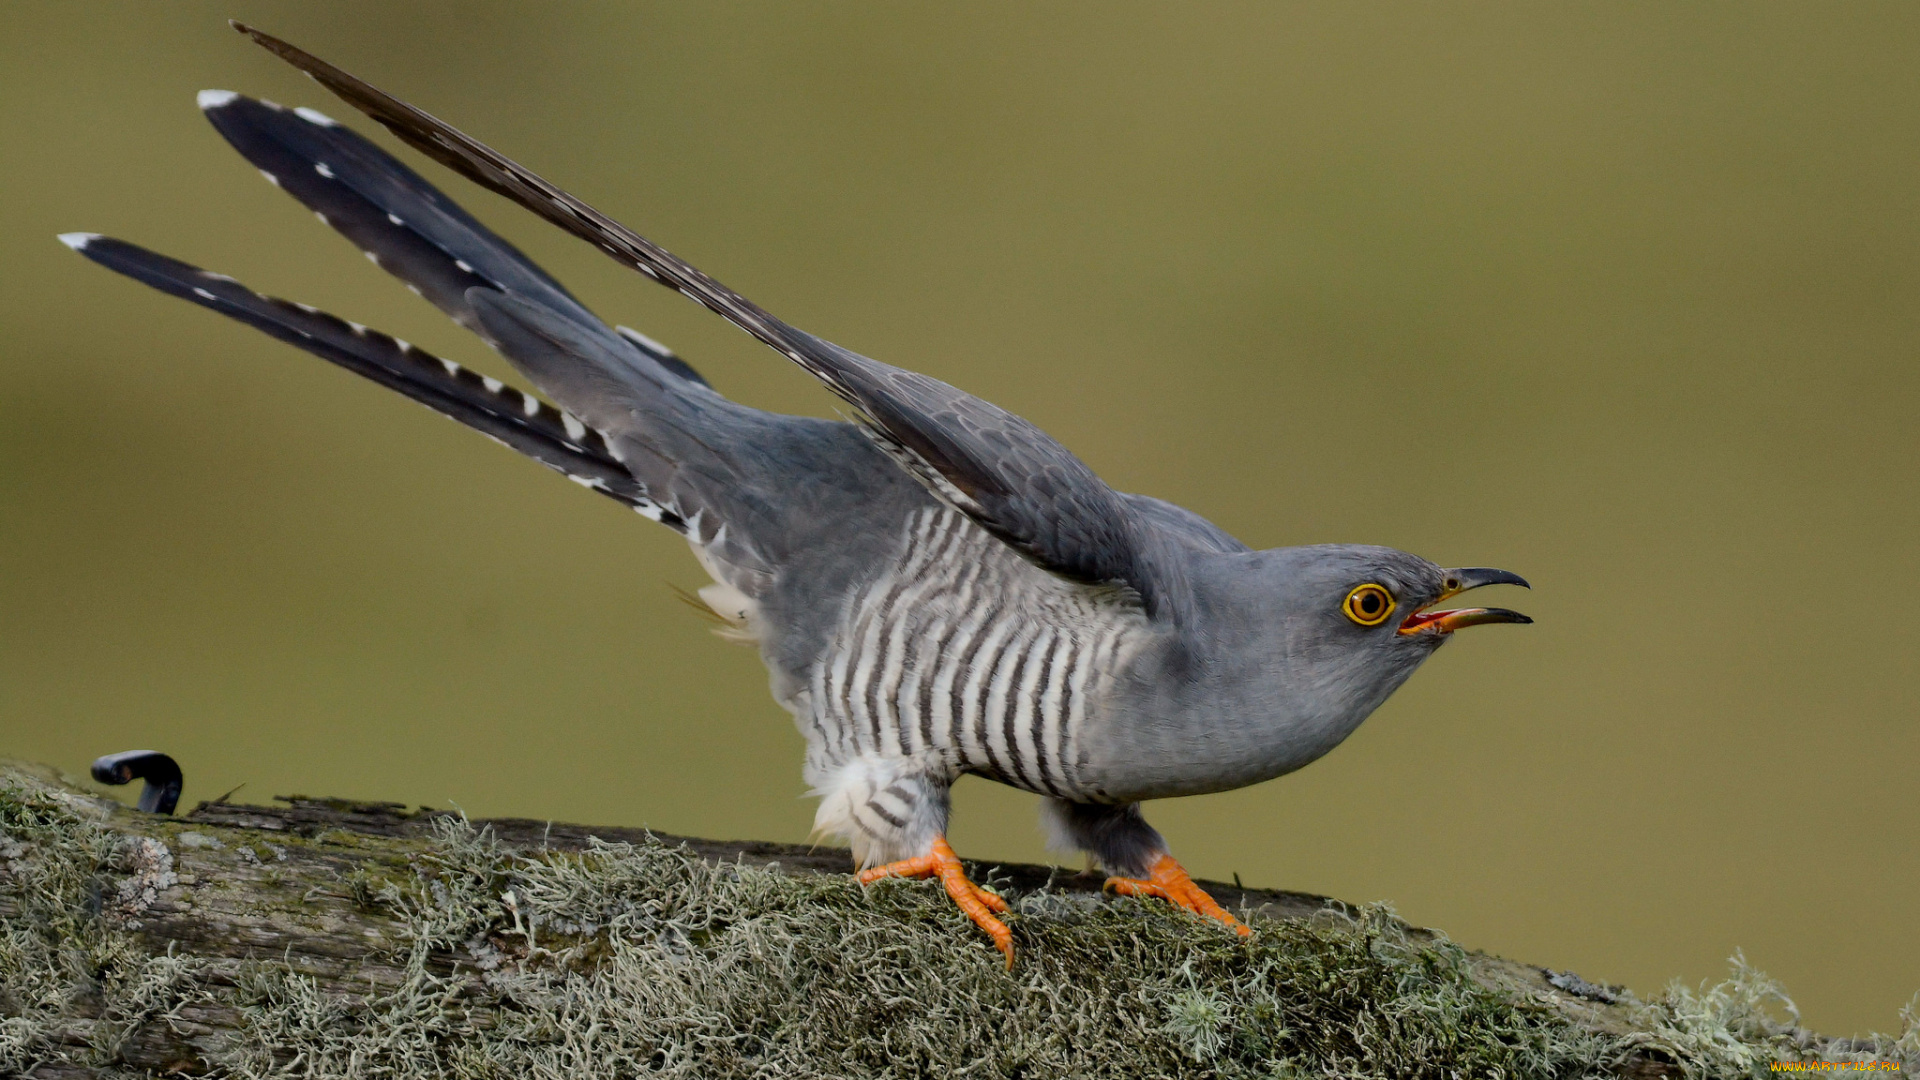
pixel 495 171
pixel 515 419
pixel 408 227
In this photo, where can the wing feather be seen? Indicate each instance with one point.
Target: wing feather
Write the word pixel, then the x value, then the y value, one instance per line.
pixel 1008 475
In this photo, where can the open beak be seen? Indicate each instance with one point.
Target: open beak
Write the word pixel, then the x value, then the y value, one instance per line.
pixel 1428 621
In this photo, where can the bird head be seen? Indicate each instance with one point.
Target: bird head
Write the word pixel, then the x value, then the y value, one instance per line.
pixel 1394 598
pixel 1336 628
pixel 1365 600
pixel 1296 647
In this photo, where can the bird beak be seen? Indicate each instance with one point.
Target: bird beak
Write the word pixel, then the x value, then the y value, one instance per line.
pixel 1427 621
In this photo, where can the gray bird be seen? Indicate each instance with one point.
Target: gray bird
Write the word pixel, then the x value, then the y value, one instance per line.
pixel 937 588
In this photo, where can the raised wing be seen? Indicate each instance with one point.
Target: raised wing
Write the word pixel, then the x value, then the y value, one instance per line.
pixel 1006 474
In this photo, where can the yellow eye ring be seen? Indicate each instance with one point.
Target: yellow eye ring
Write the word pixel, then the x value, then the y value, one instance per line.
pixel 1369 605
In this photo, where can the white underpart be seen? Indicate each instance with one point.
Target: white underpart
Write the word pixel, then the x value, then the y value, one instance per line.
pixel 881 806
pixel 214 99
pixel 725 599
pixel 1056 828
pixel 956 656
pixel 78 241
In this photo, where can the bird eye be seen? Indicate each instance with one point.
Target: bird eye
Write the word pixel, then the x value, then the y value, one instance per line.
pixel 1369 605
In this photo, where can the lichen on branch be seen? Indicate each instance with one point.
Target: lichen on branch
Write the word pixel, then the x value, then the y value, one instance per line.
pixel 451 952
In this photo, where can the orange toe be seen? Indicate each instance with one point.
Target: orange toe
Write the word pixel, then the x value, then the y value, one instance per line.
pixel 1171 883
pixel 920 867
pixel 978 904
pixel 987 897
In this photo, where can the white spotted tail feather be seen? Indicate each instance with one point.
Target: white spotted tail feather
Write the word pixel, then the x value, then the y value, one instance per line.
pixel 637 420
pixel 408 227
pixel 393 215
pixel 617 383
pixel 515 419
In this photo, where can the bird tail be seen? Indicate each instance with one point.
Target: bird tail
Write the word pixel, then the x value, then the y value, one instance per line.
pixel 413 231
pixel 634 421
pixel 553 437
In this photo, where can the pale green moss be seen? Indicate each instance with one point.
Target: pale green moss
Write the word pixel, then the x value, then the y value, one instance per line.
pixel 630 959
pixel 1740 1026
pixel 71 984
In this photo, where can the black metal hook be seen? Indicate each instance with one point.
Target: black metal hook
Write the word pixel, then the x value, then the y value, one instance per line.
pixel 161 773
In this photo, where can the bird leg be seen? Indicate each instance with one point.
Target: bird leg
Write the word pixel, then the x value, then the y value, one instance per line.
pixel 1119 839
pixel 978 904
pixel 1169 882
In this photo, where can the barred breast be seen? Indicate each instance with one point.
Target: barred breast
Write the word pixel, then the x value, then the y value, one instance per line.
pixel 963 653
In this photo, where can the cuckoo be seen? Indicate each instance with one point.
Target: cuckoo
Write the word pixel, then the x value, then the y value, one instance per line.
pixel 936 586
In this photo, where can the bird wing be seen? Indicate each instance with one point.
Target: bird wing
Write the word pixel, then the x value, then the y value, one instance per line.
pixel 1185 526
pixel 1003 472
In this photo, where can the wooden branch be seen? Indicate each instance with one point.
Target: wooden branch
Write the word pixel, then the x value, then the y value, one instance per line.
pixel 298 885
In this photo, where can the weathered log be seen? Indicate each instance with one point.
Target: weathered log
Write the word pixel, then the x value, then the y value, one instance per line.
pixel 246 939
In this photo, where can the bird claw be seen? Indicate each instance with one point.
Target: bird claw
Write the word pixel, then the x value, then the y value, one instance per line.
pixel 1171 883
pixel 978 903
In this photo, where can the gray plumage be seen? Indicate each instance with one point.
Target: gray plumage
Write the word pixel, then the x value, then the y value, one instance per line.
pixel 938 588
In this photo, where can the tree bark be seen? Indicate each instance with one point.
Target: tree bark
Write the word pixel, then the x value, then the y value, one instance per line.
pixel 290 883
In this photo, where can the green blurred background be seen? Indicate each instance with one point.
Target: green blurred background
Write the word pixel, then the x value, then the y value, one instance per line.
pixel 1622 297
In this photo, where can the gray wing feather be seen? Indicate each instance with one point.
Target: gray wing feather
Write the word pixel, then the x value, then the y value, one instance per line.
pixel 999 469
pixel 1012 478
pixel 1184 525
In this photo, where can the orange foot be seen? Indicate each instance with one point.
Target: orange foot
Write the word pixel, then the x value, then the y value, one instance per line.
pixel 978 903
pixel 1171 883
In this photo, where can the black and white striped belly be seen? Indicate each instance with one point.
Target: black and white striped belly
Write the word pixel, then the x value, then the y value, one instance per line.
pixel 966 655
